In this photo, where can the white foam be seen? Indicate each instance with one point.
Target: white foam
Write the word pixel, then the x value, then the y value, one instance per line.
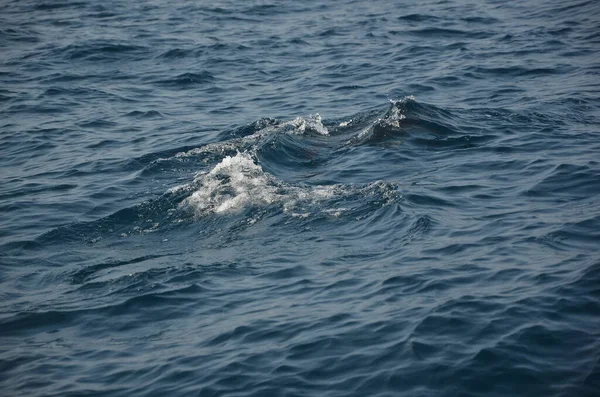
pixel 232 184
pixel 238 182
pixel 405 99
pixel 394 117
pixel 313 123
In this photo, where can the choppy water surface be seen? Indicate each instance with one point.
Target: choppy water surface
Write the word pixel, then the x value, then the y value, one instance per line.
pixel 351 198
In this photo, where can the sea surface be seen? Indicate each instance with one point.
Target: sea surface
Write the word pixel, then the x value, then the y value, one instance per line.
pixel 299 198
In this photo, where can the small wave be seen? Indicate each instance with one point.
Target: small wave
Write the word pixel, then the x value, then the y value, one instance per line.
pixel 100 50
pixel 391 122
pixel 417 124
pixel 418 18
pixel 51 6
pixel 149 114
pixel 187 79
pixel 514 71
pixel 20 35
pixel 577 180
pixel 175 53
pixel 286 153
pixel 446 33
pixel 253 133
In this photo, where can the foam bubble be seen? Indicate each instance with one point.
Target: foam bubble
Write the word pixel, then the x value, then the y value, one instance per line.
pixel 234 183
pixel 238 182
pixel 312 124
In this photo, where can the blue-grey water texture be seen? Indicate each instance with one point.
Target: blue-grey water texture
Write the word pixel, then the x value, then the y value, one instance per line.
pixel 300 198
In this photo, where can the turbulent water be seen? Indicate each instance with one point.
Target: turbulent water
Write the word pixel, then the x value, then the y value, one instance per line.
pixel 345 198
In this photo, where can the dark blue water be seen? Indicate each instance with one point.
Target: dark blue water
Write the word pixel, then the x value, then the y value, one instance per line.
pixel 350 198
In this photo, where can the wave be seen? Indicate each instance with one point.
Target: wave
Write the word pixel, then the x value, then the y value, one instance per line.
pixel 304 169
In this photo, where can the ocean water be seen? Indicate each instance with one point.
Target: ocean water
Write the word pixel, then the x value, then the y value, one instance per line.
pixel 260 198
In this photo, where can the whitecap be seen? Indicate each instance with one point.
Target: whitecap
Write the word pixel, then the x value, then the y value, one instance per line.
pixel 238 182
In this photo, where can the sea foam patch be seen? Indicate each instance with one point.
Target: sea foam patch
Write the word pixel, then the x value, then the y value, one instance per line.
pixel 238 182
